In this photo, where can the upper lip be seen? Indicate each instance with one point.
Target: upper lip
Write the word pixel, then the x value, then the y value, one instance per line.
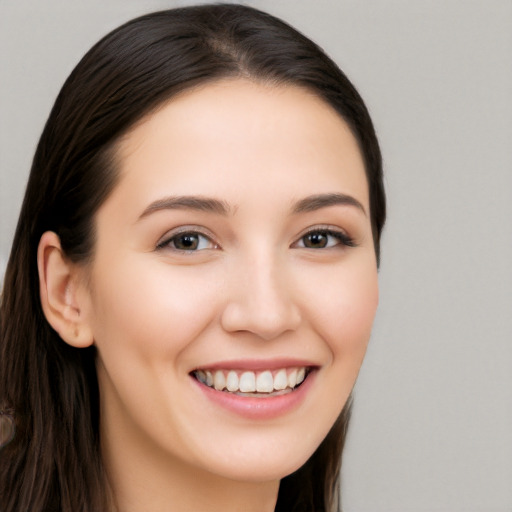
pixel 258 364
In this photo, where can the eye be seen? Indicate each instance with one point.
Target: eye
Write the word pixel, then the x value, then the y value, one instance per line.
pixel 324 239
pixel 188 241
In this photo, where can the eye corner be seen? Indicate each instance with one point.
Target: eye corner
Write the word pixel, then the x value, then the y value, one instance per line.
pixel 187 240
pixel 324 237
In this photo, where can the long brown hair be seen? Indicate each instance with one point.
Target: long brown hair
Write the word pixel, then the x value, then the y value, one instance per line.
pixel 50 388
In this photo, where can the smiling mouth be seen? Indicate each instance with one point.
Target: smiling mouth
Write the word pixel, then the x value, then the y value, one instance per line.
pixel 261 384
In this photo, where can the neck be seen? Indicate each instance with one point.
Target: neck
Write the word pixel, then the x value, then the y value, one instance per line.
pixel 180 493
pixel 141 479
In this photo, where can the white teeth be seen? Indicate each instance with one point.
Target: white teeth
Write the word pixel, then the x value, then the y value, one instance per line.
pixel 247 382
pixel 201 376
pixel 265 382
pixel 292 378
pixel 280 380
pixel 283 380
pixel 232 381
pixel 219 381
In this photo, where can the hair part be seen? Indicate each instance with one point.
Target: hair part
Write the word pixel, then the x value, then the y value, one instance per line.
pixel 53 462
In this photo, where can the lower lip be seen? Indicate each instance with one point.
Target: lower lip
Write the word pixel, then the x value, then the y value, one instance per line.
pixel 259 408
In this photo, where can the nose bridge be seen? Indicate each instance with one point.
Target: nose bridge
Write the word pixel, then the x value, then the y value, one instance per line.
pixel 268 284
pixel 261 298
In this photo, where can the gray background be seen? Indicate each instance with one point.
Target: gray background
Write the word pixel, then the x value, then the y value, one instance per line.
pixel 432 424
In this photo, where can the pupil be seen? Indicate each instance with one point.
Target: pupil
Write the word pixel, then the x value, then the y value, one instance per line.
pixel 316 240
pixel 187 242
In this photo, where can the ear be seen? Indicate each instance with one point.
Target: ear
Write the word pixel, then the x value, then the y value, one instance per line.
pixel 63 293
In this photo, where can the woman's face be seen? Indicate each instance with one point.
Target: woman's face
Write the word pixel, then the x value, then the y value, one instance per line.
pixel 236 249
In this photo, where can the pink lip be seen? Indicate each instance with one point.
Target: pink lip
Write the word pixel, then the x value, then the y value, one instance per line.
pixel 258 364
pixel 259 408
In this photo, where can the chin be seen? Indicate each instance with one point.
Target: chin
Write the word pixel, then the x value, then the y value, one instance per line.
pixel 264 465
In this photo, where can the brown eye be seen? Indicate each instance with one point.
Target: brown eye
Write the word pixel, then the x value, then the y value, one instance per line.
pixel 324 239
pixel 188 241
pixel 316 240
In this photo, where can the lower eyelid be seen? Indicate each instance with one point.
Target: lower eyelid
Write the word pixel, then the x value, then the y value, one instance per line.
pixel 343 238
pixel 167 241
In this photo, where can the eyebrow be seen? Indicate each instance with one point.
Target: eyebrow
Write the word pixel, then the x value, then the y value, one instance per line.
pixel 198 203
pixel 319 201
pixel 208 204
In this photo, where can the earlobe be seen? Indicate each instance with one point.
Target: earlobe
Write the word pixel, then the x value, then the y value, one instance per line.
pixel 60 286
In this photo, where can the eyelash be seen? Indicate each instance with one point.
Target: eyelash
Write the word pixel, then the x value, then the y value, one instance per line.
pixel 342 238
pixel 169 241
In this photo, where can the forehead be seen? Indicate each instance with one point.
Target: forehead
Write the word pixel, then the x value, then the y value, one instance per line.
pixel 236 135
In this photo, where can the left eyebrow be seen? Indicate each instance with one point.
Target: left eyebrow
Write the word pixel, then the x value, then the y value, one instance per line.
pixel 318 201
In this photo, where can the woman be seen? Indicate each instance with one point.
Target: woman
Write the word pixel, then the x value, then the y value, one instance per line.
pixel 193 278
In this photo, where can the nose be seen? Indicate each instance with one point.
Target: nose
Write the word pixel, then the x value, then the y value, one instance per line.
pixel 261 300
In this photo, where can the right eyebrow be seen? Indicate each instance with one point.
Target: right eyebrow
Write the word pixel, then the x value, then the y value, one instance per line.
pixel 198 203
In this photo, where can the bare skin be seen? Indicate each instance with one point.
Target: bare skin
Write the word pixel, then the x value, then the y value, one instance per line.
pixel 237 239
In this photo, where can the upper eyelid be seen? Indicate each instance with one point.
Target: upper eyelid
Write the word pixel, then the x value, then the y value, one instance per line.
pixel 324 227
pixel 196 230
pixel 200 230
pixel 344 237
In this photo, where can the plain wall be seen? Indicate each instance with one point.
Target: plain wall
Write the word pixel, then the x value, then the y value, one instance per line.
pixel 432 423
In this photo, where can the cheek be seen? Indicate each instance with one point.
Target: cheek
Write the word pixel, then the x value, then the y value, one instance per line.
pixel 345 310
pixel 155 312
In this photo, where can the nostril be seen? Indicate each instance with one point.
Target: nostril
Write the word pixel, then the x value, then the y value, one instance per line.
pixel 267 321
